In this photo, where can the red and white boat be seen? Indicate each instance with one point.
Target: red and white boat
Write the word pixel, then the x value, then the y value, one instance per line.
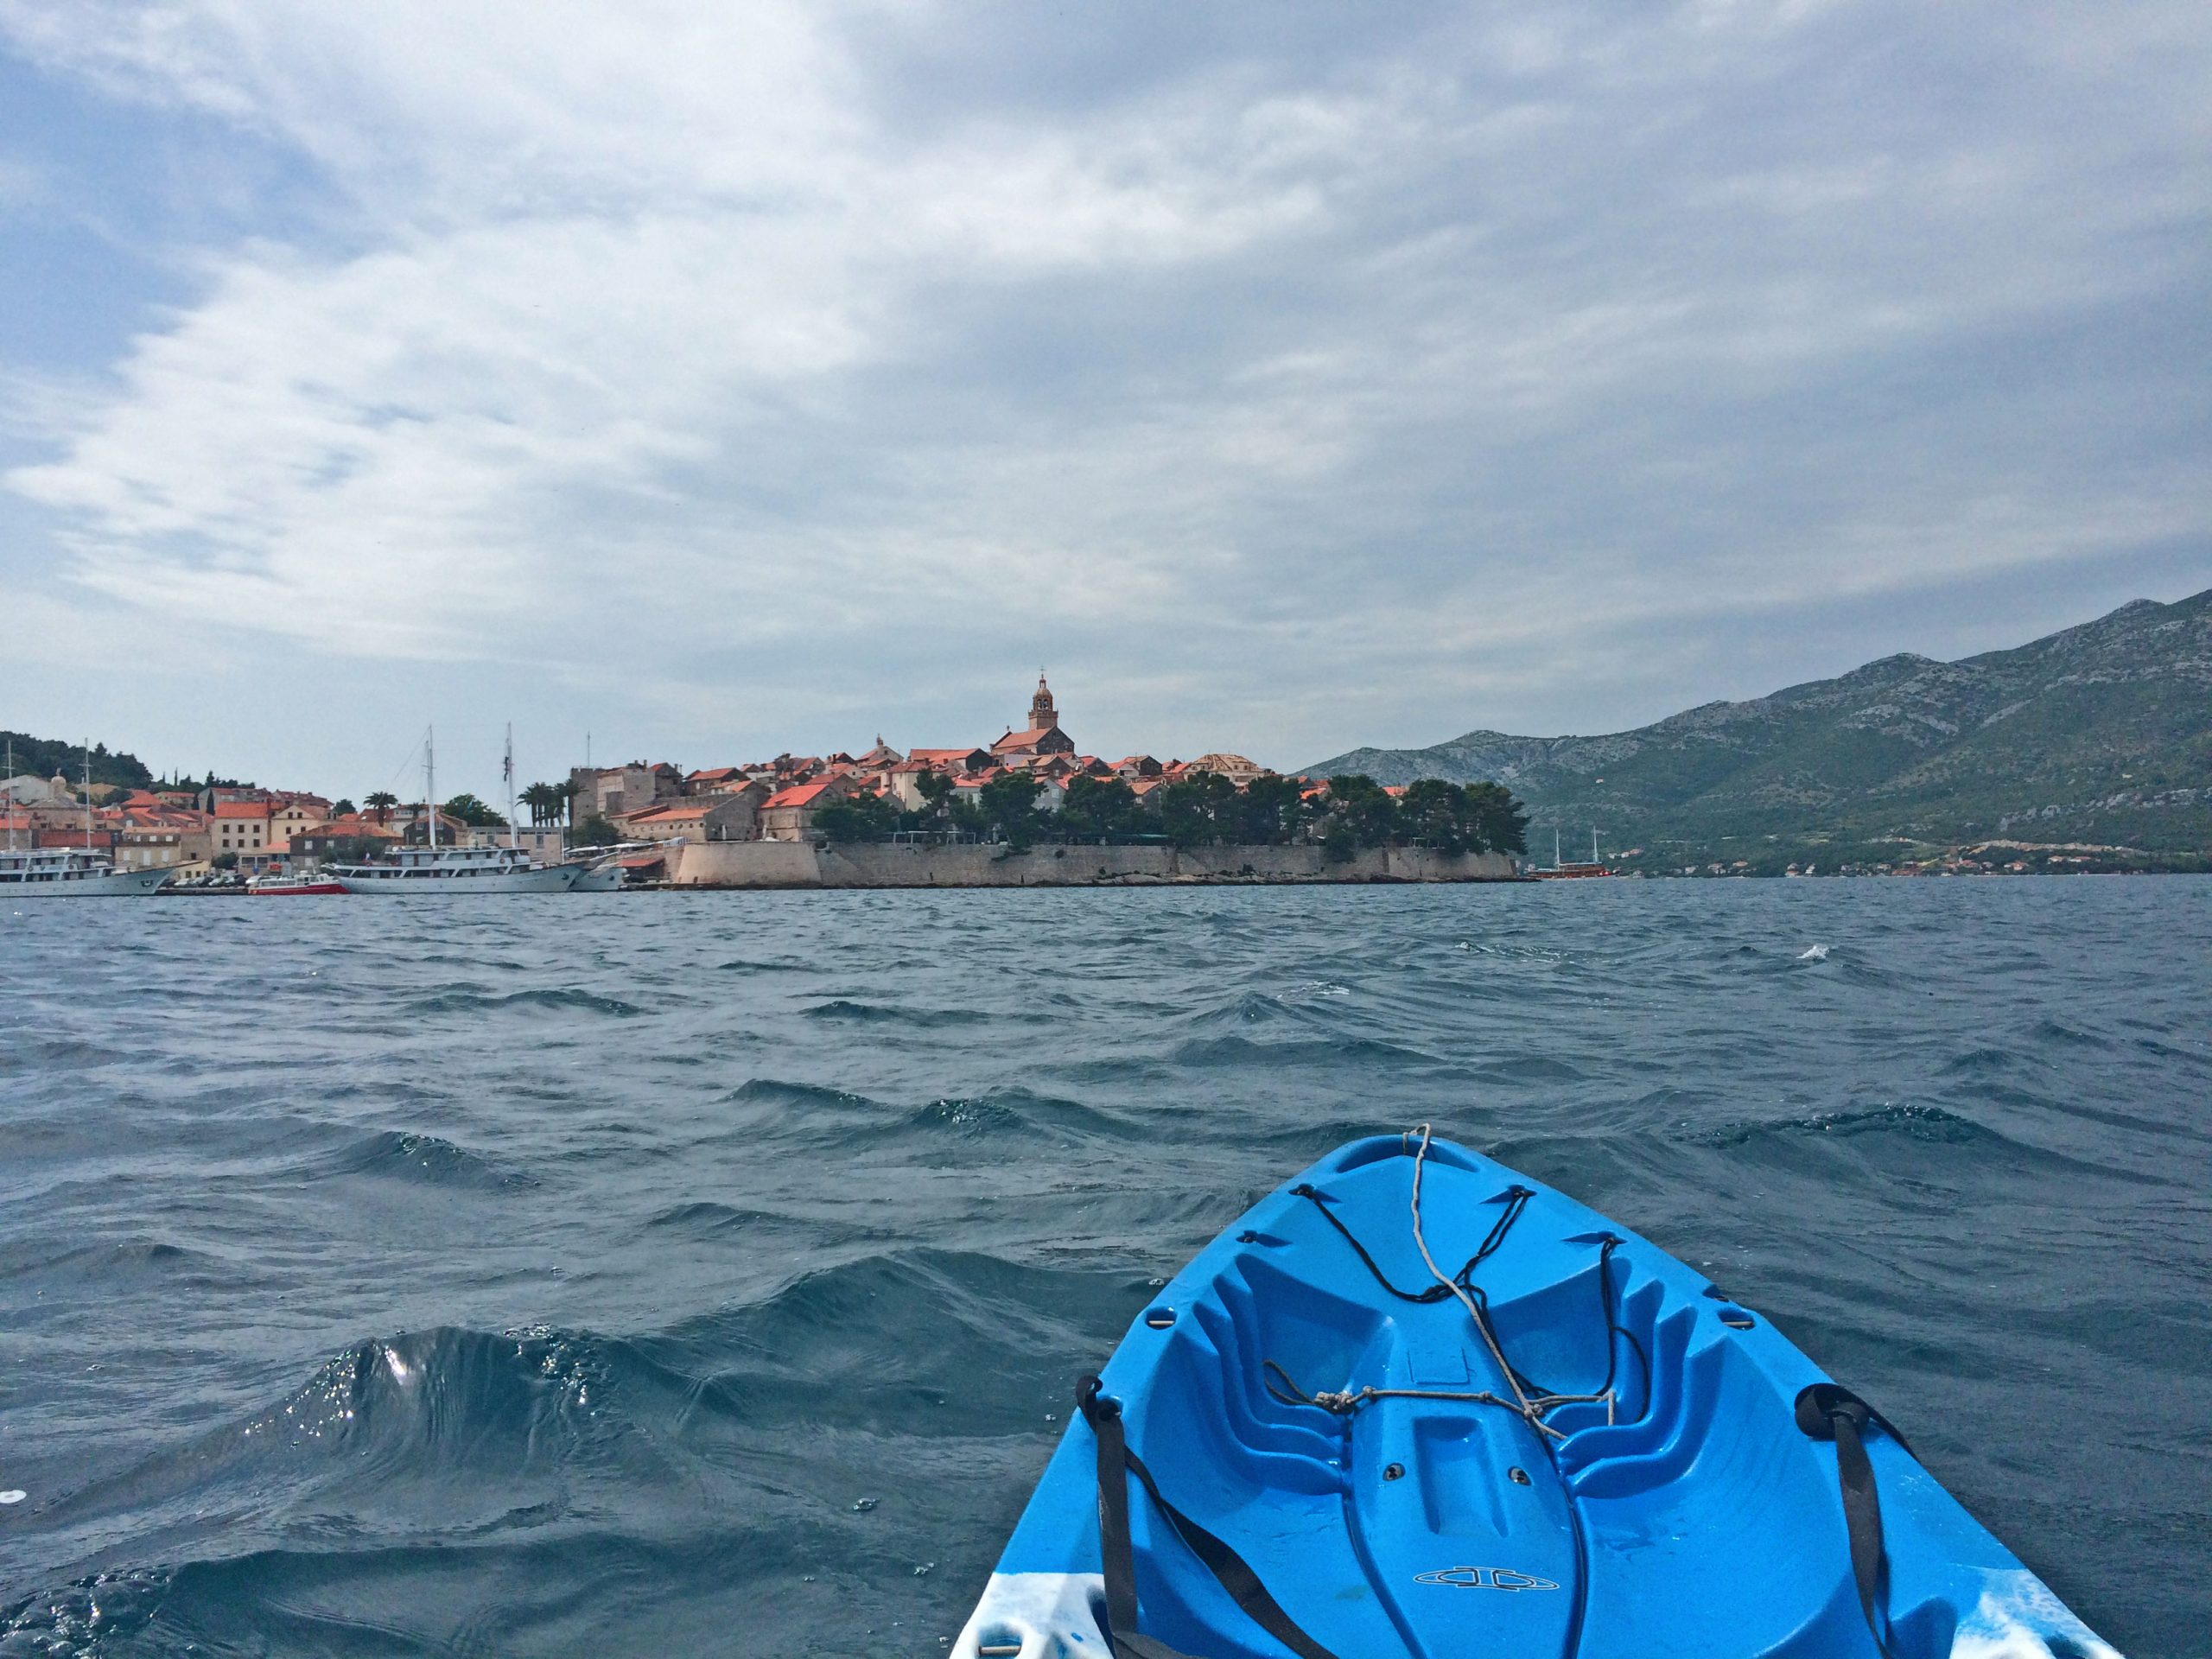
pixel 288 886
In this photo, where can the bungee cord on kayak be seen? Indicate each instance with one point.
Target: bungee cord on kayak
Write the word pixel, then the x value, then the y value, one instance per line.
pixel 1529 1401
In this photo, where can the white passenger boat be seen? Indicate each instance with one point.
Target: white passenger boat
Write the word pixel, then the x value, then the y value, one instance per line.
pixel 68 872
pixel 432 868
pixel 71 872
pixel 457 869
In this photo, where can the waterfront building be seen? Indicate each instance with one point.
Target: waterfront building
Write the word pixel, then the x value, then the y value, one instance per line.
pixel 788 814
pixel 163 838
pixel 291 814
pixel 242 827
pixel 608 792
pixel 352 838
pixel 727 815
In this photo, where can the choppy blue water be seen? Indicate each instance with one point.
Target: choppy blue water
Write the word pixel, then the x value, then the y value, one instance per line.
pixel 708 1274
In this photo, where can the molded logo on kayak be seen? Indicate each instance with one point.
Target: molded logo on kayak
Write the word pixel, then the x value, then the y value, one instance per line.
pixel 1484 1577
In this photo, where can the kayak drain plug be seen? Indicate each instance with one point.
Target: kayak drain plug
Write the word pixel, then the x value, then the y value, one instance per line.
pixel 1396 1471
pixel 1518 1476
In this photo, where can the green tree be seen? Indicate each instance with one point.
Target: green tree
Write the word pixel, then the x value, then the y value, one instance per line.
pixel 1009 804
pixel 1271 811
pixel 859 818
pixel 1100 809
pixel 1501 823
pixel 1436 813
pixel 545 802
pixel 597 832
pixel 42 757
pixel 936 810
pixel 342 808
pixel 1197 810
pixel 473 812
pixel 1359 812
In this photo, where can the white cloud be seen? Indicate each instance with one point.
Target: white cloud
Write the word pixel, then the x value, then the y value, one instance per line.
pixel 1239 348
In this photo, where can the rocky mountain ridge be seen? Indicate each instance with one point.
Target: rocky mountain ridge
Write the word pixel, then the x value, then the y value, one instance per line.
pixel 2100 733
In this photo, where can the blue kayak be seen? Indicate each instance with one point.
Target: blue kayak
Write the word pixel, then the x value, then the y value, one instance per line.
pixel 1414 1406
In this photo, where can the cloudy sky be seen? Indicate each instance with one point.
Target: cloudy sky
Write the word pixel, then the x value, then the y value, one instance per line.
pixel 723 379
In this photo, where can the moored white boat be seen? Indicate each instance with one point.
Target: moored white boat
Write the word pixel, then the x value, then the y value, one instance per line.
pixel 72 872
pixel 457 869
pixel 434 868
pixel 69 872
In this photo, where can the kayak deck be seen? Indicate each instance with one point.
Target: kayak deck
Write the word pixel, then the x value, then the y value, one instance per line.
pixel 1580 1448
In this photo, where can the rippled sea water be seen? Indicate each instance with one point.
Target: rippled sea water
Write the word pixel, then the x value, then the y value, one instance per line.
pixel 708 1274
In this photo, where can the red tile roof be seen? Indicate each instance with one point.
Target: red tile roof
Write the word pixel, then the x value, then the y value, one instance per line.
pixel 668 813
pixel 797 794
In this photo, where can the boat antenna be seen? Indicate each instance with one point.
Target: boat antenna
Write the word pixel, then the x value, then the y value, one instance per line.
pixel 430 782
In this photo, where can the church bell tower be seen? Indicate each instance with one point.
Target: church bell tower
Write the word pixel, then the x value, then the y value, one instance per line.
pixel 1042 715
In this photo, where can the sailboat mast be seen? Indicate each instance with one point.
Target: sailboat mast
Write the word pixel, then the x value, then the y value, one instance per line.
pixel 510 769
pixel 430 780
pixel 11 795
pixel 88 794
pixel 1593 843
pixel 1555 847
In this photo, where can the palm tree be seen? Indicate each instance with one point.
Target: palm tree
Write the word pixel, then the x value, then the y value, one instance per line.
pixel 381 803
pixel 544 802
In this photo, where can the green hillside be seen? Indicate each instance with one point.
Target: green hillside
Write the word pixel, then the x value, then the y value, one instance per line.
pixel 44 756
pixel 2100 735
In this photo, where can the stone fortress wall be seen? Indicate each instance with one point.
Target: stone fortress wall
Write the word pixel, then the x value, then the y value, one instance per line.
pixel 804 864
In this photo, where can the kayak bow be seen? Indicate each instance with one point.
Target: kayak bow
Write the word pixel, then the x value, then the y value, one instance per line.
pixel 1413 1406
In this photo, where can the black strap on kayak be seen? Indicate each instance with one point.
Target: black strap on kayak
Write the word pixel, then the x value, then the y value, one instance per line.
pixel 1827 1412
pixel 1516 1199
pixel 1116 1464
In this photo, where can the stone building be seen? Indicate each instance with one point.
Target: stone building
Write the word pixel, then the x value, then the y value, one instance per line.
pixel 1041 736
pixel 730 814
pixel 608 792
pixel 788 814
pixel 1234 767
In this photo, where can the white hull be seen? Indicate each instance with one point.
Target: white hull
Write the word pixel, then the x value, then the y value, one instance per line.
pixel 547 878
pixel 113 884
